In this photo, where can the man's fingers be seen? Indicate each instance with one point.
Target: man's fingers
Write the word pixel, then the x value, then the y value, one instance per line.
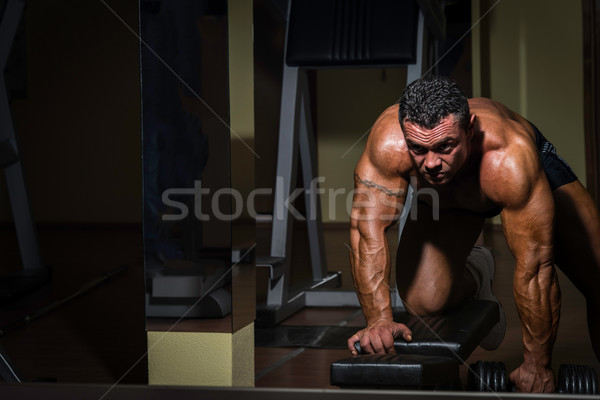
pixel 377 343
pixel 351 343
pixel 378 338
pixel 407 335
pixel 388 342
pixel 365 345
pixel 404 332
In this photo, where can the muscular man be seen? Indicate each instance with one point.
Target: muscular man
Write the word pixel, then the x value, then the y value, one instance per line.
pixel 481 159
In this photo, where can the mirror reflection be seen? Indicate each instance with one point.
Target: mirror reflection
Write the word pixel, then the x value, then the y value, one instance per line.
pixel 187 247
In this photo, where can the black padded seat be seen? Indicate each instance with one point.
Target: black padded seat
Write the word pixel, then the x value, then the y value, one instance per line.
pixel 453 335
pixel 402 371
pixel 344 33
pixel 438 347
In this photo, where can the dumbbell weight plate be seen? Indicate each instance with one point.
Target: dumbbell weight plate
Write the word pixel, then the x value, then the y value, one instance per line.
pixel 577 379
pixel 487 376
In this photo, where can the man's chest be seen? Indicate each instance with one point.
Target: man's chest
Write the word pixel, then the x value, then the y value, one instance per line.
pixel 464 194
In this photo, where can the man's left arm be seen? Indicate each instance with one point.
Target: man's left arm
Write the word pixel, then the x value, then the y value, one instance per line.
pixel 527 220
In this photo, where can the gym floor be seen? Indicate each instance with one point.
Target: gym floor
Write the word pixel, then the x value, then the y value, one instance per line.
pixel 99 337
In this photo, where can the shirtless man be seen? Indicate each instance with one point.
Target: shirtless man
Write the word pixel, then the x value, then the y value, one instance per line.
pixel 482 159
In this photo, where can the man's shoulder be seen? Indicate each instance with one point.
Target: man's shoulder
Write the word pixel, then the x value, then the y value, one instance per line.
pixel 386 147
pixel 509 171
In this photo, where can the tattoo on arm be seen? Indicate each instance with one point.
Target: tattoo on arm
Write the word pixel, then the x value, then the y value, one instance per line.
pixel 400 194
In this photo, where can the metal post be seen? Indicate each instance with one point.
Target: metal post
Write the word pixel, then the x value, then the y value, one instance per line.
pixel 414 71
pixel 285 181
pixel 308 160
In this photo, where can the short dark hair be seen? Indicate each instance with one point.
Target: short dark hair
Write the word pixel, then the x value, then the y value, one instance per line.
pixel 428 100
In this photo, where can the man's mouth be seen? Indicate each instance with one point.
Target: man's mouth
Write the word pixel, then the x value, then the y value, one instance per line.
pixel 437 177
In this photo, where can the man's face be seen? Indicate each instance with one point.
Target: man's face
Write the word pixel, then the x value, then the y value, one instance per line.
pixel 439 152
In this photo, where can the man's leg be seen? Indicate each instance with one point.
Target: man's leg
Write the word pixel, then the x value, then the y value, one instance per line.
pixel 577 248
pixel 430 264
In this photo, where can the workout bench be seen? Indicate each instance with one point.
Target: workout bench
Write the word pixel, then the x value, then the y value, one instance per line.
pixel 431 360
pixel 440 345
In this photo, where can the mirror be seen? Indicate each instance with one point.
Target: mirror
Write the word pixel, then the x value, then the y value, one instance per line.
pixel 186 160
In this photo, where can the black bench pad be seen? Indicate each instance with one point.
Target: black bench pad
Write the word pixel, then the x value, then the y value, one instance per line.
pixel 432 358
pixel 454 335
pixel 402 370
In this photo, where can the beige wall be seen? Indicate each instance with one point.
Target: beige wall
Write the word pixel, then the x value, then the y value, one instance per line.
pixel 536 68
pixel 348 103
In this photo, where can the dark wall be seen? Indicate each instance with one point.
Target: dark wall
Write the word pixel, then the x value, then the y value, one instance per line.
pixel 78 123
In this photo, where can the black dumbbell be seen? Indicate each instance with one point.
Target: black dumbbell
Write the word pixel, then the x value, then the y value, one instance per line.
pixel 487 376
pixel 577 379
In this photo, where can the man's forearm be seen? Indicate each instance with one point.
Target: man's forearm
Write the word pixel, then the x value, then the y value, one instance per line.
pixel 371 272
pixel 537 296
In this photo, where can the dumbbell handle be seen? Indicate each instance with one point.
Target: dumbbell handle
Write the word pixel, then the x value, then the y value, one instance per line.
pixel 358 347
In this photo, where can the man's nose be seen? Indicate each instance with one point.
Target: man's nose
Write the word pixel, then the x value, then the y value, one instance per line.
pixel 432 162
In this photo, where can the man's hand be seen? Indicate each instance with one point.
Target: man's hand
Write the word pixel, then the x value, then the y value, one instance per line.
pixel 379 337
pixel 531 378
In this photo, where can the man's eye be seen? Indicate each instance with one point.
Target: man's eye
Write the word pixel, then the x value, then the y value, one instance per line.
pixel 445 146
pixel 416 149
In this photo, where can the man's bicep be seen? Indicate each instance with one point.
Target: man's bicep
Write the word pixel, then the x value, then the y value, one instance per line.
pixel 377 198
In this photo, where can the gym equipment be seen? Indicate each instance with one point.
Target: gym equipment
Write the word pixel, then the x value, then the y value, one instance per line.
pixel 325 34
pixel 440 345
pixel 490 376
pixel 8 371
pixel 577 379
pixel 487 376
pixel 175 292
pixel 409 371
pixel 53 306
pixel 189 292
pixel 33 273
pixel 431 360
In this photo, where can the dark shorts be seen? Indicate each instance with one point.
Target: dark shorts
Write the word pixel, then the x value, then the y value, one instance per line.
pixel 556 168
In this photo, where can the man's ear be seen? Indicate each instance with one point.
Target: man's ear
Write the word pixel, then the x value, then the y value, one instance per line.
pixel 471 127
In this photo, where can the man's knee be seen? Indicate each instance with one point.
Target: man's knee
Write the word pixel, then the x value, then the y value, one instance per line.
pixel 424 303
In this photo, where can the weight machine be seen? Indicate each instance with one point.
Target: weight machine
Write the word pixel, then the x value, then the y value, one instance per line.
pixel 330 34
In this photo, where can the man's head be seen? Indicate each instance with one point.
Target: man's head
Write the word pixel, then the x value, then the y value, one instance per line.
pixel 437 125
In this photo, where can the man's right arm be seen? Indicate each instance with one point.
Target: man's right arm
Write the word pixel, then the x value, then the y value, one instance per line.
pixel 380 182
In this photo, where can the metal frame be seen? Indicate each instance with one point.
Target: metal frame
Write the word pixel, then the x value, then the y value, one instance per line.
pixel 33 273
pixel 8 371
pixel 296 139
pixel 26 233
